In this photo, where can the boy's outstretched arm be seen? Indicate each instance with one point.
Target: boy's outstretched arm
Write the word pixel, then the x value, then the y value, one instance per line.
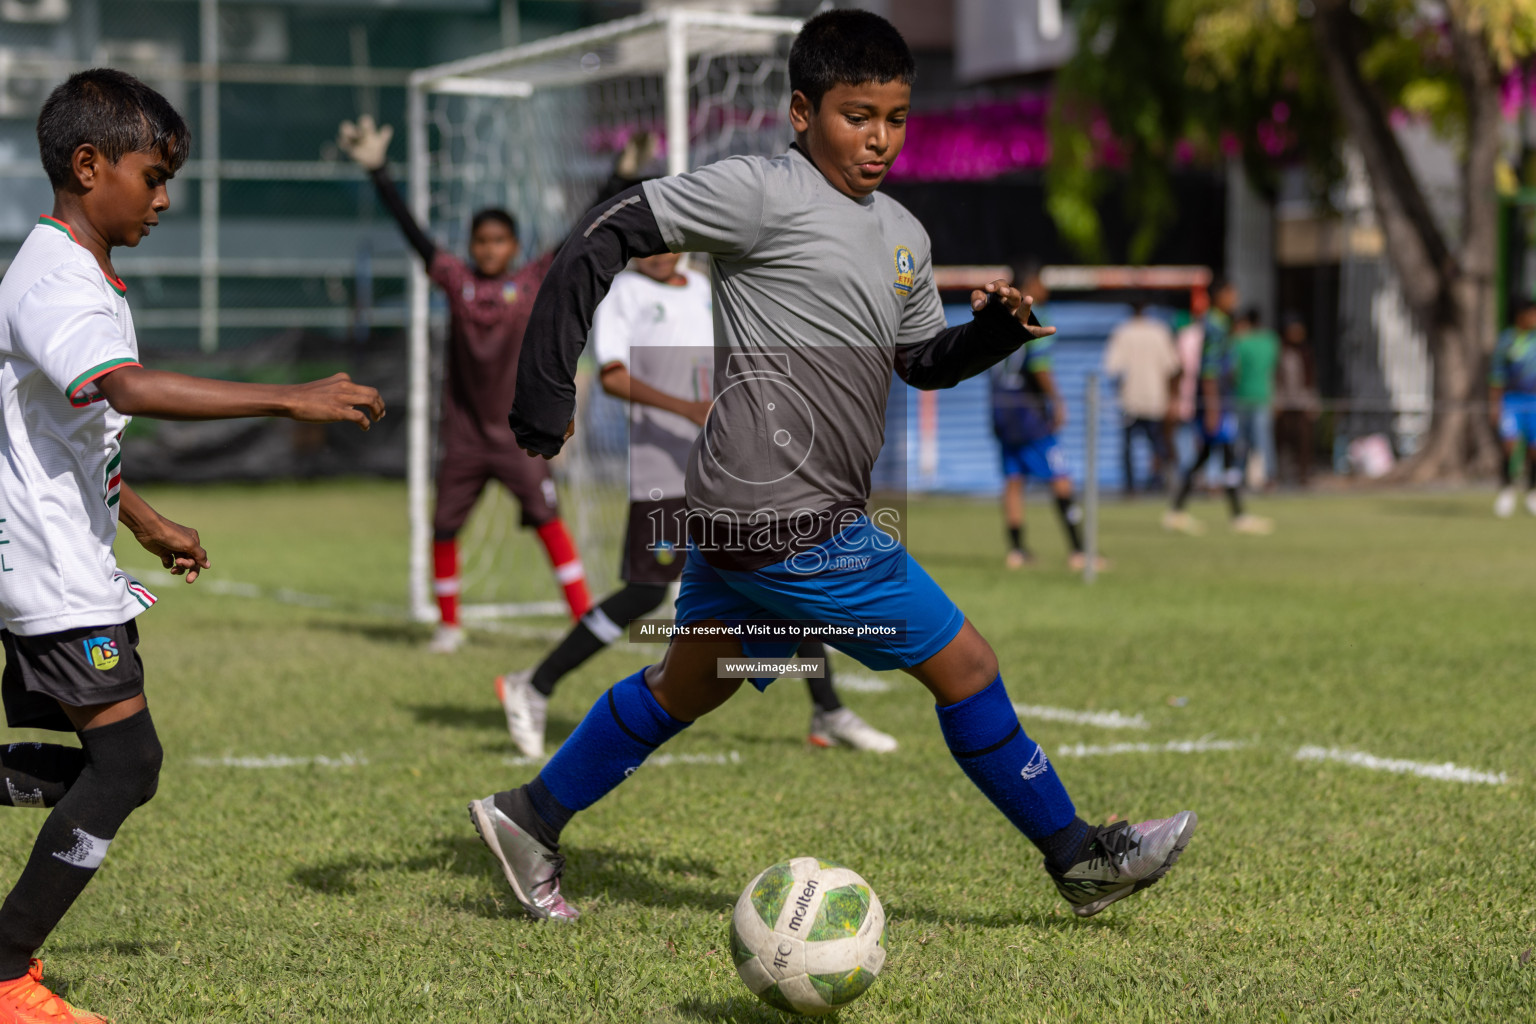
pixel 1001 321
pixel 135 391
pixel 368 146
pixel 178 547
pixel 605 239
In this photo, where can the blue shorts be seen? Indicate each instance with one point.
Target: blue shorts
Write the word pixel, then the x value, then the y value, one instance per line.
pixel 1226 430
pixel 1517 418
pixel 859 577
pixel 1040 460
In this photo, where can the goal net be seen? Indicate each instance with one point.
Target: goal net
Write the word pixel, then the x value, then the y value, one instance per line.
pixel 536 129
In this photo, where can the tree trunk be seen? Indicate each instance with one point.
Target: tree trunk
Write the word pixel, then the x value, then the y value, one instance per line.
pixel 1461 441
pixel 1450 296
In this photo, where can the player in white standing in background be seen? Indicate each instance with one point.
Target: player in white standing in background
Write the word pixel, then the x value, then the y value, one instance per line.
pixel 653 338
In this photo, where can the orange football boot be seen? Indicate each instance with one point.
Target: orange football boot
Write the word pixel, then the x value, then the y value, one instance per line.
pixel 26 1000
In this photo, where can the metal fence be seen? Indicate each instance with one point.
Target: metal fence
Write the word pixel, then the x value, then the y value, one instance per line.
pixel 270 229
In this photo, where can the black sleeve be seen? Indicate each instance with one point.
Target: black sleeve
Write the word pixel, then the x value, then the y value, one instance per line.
pixel 957 353
pixel 395 204
pixel 605 239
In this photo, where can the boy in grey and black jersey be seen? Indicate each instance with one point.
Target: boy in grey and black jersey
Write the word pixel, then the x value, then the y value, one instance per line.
pixel 652 338
pixel 822 288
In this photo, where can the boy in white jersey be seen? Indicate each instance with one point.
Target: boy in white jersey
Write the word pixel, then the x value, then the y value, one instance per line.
pixel 823 288
pixel 70 380
pixel 653 339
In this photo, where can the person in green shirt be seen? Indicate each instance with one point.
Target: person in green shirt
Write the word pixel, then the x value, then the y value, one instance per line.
pixel 1255 354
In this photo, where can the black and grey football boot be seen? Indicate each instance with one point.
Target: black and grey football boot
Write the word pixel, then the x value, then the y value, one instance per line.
pixel 1121 859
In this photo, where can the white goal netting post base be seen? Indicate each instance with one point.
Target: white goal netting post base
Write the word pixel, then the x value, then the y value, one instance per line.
pixel 536 129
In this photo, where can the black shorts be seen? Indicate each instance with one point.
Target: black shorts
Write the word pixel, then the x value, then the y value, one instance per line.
pixel 655 541
pixel 78 667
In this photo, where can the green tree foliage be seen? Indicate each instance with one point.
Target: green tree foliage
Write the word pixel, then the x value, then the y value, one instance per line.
pixel 1161 84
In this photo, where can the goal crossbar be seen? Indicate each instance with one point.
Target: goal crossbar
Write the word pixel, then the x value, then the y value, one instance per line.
pixel 575 57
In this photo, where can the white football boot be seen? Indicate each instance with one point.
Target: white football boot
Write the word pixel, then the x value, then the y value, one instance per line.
pixel 446 640
pixel 844 728
pixel 1182 522
pixel 525 709
pixel 1504 504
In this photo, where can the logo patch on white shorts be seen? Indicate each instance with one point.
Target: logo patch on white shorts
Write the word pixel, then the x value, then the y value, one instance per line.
pixel 88 851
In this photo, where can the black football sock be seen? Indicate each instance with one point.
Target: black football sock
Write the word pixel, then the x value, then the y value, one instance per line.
pixel 1016 538
pixel 38 774
pixel 121 772
pixel 1506 471
pixel 823 695
pixel 1071 515
pixel 1530 467
pixel 597 629
pixel 1063 847
pixel 1187 484
pixel 536 809
pixel 579 645
pixel 1236 466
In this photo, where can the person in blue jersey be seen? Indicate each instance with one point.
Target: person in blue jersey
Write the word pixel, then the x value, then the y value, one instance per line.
pixel 823 287
pixel 1027 413
pixel 1512 404
pixel 1216 418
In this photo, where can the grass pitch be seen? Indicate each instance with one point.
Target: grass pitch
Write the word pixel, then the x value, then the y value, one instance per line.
pixel 308 857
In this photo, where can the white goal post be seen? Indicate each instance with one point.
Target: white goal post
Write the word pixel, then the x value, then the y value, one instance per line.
pixel 534 129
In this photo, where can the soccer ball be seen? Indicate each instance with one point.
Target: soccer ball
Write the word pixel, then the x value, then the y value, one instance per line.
pixel 808 936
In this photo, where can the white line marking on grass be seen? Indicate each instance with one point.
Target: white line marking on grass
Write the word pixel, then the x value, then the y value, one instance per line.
pixel 1102 719
pixel 861 684
pixel 282 761
pixel 663 760
pixel 1204 745
pixel 282 595
pixel 1446 772
pixel 660 760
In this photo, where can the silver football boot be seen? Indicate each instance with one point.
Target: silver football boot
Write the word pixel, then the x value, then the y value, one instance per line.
pixel 531 868
pixel 1121 859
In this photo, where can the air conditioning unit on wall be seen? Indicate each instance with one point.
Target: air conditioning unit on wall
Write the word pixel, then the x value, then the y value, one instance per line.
pixel 34 11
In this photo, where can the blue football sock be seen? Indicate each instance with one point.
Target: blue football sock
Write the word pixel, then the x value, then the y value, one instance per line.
pixel 615 738
pixel 985 737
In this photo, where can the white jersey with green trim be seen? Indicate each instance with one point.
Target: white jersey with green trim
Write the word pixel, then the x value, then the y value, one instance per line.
pixel 63 324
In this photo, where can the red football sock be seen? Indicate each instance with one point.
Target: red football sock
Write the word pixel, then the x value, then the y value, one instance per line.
pixel 567 562
pixel 445 580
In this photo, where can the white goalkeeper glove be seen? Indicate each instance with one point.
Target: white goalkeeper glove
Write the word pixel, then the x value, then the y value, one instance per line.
pixel 365 142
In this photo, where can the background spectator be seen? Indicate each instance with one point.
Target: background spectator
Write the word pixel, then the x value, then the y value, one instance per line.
pixel 1142 355
pixel 1255 353
pixel 1295 402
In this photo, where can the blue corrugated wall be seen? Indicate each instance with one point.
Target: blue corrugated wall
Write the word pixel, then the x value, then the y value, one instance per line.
pixel 967 452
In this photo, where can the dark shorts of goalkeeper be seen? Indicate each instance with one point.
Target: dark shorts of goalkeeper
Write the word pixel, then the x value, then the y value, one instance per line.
pixel 465 469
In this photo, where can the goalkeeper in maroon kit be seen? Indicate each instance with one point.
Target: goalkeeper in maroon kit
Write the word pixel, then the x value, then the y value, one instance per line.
pixel 488 306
